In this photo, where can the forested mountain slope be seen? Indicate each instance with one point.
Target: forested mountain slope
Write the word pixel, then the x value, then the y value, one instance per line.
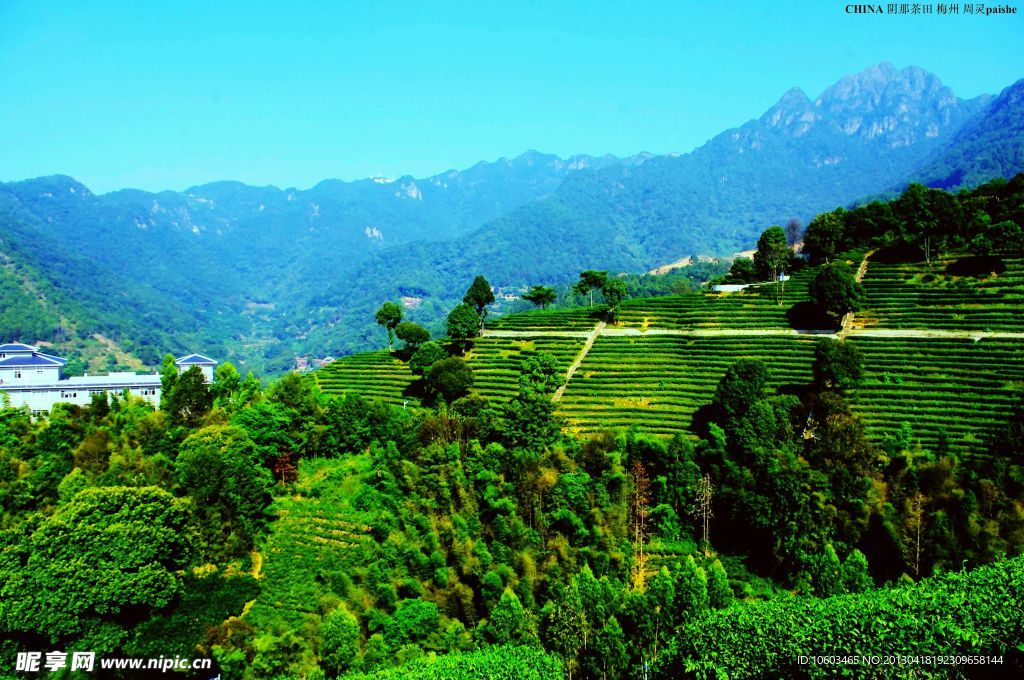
pixel 990 145
pixel 261 274
pixel 866 133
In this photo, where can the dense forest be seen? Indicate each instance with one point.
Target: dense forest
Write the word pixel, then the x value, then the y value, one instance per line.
pixel 289 533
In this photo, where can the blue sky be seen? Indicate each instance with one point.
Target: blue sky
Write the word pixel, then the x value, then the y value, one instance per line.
pixel 169 95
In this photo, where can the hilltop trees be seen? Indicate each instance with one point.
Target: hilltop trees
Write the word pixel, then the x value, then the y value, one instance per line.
pixel 614 291
pixel 428 354
pixel 389 316
pixel 479 296
pixel 591 280
pixel 541 296
pixel 412 334
pixel 463 324
pixel 772 253
pixel 824 236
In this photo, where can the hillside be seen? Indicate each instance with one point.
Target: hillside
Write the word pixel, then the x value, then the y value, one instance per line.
pixel 941 336
pixel 239 261
pixel 869 132
pixel 258 275
pixel 57 297
pixel 656 368
pixel 990 145
pixel 585 491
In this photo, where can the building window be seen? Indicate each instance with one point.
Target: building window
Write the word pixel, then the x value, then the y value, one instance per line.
pixel 17 374
pixel 39 371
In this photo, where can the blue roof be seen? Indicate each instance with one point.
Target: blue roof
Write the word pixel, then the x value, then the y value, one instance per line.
pixel 55 358
pixel 197 359
pixel 34 360
pixel 16 347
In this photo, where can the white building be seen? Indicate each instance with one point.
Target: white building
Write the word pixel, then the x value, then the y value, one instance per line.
pixel 34 379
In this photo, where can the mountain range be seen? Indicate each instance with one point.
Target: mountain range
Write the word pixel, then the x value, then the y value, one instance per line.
pixel 259 274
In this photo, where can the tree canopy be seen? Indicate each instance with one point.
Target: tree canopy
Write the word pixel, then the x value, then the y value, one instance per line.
pixel 389 315
pixel 542 296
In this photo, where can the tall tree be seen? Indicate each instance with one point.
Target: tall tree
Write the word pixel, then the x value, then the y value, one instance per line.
pixel 428 354
pixel 168 376
pixel 339 640
pixel 591 280
pixel 703 509
pixel 744 383
pixel 463 324
pixel 614 291
pixel 824 236
pixel 479 296
pixel 190 398
pixel 720 593
pixel 389 316
pixel 542 296
pixel 639 510
pixel 89 571
pixel 772 253
pixel 450 378
pixel 771 257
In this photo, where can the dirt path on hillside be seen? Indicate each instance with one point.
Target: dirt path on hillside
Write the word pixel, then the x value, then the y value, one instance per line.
pixel 579 360
pixel 847 324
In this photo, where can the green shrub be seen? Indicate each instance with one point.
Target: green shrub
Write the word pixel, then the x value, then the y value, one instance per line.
pixel 977 612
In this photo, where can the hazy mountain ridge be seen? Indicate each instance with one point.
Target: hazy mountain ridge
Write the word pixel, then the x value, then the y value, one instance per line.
pixel 214 249
pixel 868 132
pixel 319 260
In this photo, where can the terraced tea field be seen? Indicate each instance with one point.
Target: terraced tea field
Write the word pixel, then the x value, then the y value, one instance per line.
pixel 957 386
pixel 657 382
pixel 755 307
pixel 912 295
pixel 315 545
pixel 496 361
pixel 374 375
pixel 578 319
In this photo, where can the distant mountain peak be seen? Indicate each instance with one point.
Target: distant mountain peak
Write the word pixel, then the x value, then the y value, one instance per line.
pixel 794 111
pixel 879 84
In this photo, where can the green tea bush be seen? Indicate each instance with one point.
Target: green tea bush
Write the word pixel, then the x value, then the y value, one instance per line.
pixel 490 663
pixel 978 612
